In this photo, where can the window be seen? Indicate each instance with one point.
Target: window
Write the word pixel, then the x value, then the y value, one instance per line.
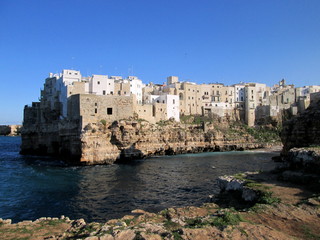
pixel 96 104
pixel 104 92
pixel 109 111
pixel 111 92
pixel 119 92
pixel 173 101
pixel 162 101
pixel 98 82
pixel 96 111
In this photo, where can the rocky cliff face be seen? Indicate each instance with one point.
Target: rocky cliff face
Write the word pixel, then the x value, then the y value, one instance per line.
pixel 129 139
pixel 303 130
pixel 106 143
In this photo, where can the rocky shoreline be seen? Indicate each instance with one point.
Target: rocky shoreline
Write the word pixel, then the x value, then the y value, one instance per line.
pixel 106 143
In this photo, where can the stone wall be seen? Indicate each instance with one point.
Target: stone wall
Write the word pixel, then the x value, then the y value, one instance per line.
pixel 94 108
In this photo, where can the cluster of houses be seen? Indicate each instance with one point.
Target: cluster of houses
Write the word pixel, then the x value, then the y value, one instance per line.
pixel 69 95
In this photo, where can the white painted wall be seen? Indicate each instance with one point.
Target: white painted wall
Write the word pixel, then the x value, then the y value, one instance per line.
pixel 66 79
pixel 136 88
pixel 101 85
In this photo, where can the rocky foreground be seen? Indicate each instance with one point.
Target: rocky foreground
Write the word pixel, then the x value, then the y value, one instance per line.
pixel 250 206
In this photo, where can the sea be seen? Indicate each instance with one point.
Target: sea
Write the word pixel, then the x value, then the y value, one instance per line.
pixel 35 186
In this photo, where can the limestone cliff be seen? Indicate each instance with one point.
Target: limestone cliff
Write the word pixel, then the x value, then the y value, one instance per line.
pixel 104 143
pixel 128 139
pixel 303 130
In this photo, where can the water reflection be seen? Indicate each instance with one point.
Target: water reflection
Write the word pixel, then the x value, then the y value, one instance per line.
pixel 36 187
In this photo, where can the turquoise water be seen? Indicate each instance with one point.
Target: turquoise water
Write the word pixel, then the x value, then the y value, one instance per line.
pixel 33 187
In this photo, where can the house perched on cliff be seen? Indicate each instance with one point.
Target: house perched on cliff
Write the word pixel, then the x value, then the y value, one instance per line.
pixel 71 106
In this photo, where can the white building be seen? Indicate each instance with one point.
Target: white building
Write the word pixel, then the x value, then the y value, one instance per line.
pixel 101 85
pixel 63 84
pixel 239 94
pixel 171 103
pixel 136 88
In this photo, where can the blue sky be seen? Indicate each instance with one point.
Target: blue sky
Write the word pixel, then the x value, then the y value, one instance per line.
pixel 202 41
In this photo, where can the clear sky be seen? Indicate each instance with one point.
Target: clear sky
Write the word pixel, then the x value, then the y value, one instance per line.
pixel 203 41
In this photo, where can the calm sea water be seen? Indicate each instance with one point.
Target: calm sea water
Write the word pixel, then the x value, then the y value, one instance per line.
pixel 34 187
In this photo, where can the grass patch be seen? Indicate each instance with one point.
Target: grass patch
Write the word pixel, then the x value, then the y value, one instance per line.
pixel 176 235
pixel 52 222
pixel 171 226
pixel 226 219
pixel 309 234
pixel 128 221
pixel 267 198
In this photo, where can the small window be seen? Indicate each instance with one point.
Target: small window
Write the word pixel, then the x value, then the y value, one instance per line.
pixel 162 101
pixel 173 101
pixel 98 82
pixel 119 92
pixel 104 92
pixel 111 92
pixel 96 111
pixel 96 104
pixel 109 111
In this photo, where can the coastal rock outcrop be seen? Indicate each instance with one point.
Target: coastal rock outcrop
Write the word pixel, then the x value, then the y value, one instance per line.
pixel 301 145
pixel 10 130
pixel 303 130
pixel 104 143
pixel 129 139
